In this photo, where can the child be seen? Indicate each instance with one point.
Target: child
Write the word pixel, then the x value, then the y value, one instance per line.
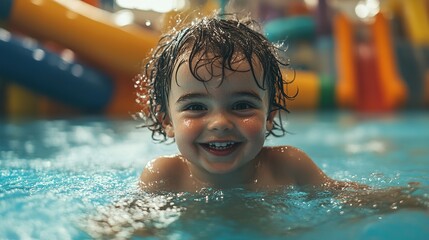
pixel 215 88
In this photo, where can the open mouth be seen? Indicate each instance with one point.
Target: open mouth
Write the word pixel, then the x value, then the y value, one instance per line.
pixel 220 148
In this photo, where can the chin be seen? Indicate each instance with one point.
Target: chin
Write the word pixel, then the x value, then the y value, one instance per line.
pixel 221 167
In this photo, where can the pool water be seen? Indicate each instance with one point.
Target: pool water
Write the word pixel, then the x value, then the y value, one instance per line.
pixel 77 179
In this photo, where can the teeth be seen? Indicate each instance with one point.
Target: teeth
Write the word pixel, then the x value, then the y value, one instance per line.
pixel 220 145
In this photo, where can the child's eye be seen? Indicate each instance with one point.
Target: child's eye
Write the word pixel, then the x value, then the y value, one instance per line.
pixel 243 106
pixel 195 107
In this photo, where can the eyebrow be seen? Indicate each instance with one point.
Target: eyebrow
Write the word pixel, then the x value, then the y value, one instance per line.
pixel 249 94
pixel 192 96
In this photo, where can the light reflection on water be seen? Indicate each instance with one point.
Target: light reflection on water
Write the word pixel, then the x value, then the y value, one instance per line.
pixel 58 177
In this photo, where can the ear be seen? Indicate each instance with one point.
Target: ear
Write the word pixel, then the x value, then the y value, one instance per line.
pixel 168 126
pixel 270 120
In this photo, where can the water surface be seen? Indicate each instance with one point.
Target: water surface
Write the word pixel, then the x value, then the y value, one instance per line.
pixel 76 179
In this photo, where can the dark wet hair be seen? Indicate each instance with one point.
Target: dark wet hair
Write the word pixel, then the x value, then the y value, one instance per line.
pixel 209 42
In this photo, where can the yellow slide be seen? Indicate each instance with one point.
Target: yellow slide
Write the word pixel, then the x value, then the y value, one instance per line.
pixel 89 31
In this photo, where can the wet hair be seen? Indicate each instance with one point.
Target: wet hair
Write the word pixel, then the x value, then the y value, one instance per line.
pixel 219 42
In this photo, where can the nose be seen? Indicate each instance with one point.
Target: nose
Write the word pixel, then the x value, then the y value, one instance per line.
pixel 220 121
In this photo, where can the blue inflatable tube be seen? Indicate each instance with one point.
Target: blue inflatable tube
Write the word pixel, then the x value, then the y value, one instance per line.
pixel 290 29
pixel 26 63
pixel 5 9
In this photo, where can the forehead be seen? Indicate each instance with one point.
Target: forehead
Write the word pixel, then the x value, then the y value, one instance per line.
pixel 213 69
pixel 219 82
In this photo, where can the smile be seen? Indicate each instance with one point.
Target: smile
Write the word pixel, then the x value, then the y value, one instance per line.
pixel 221 145
pixel 220 148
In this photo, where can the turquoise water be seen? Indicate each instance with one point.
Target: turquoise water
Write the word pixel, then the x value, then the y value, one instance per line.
pixel 76 179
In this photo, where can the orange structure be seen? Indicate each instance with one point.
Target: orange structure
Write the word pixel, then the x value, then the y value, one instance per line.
pixel 367 75
pixel 89 31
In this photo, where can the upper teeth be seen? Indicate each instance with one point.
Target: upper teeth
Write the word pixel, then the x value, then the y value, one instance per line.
pixel 220 144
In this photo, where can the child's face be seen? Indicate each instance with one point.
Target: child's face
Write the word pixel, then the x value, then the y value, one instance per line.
pixel 218 128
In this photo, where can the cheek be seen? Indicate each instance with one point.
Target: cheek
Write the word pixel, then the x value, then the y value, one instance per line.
pixel 253 126
pixel 187 131
pixel 188 128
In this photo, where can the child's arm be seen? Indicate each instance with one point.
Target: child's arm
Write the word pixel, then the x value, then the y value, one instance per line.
pixel 351 193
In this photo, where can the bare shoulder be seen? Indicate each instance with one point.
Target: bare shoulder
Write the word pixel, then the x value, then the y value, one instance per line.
pixel 162 173
pixel 292 162
pixel 287 156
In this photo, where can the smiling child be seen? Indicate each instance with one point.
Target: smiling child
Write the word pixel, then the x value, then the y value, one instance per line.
pixel 216 89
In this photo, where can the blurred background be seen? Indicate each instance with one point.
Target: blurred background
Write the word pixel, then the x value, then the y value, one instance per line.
pixel 71 58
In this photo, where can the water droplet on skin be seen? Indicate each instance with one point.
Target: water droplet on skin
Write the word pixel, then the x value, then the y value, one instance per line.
pixel 188 123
